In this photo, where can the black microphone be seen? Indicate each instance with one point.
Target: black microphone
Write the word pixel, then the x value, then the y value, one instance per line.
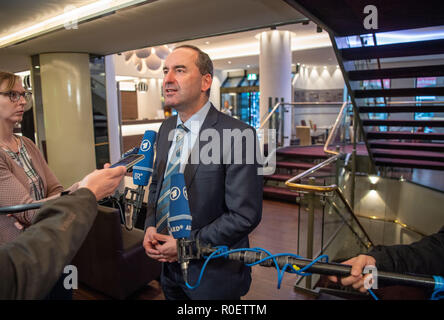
pixel 179 220
pixel 21 207
pixel 141 176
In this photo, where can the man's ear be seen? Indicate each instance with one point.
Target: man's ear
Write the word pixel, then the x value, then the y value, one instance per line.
pixel 207 80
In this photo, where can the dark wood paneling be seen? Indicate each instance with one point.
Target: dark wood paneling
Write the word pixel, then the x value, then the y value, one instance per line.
pixel 129 105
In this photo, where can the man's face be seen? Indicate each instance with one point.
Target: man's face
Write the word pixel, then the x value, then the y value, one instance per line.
pixel 183 85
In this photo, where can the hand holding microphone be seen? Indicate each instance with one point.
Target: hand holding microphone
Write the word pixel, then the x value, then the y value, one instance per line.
pixel 141 175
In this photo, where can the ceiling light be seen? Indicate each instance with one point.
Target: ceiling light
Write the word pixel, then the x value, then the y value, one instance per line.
pixel 207 42
pixel 69 17
pixel 229 62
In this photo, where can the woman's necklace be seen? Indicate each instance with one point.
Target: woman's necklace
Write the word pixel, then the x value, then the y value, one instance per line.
pixel 9 148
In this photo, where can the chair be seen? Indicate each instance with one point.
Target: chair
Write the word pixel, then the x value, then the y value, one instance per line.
pixel 311 124
pixel 304 136
pixel 112 259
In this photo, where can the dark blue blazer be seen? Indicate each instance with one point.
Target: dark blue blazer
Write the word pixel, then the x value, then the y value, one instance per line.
pixel 225 202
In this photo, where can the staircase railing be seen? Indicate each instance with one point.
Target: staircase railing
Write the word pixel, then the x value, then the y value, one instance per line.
pixel 341 230
pixel 275 118
pixel 345 227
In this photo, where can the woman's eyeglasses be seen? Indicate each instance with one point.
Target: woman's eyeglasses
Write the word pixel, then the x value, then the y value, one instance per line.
pixel 14 96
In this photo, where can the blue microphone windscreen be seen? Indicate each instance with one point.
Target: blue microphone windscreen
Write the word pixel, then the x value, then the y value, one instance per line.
pixel 142 170
pixel 180 216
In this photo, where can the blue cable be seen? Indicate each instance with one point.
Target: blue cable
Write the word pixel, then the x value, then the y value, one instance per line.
pixel 373 294
pixel 438 291
pixel 223 251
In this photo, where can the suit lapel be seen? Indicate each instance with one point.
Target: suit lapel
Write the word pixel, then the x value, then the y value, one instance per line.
pixel 162 150
pixel 190 168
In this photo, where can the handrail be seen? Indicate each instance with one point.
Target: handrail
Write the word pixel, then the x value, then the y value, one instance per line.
pixel 333 130
pixel 269 115
pixel 324 189
pixel 294 104
pixel 396 221
pixel 306 187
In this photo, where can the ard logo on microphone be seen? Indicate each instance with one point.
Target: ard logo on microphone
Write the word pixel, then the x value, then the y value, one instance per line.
pixel 145 145
pixel 185 194
pixel 175 193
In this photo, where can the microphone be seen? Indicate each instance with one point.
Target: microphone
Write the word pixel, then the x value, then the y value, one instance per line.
pixel 179 220
pixel 141 176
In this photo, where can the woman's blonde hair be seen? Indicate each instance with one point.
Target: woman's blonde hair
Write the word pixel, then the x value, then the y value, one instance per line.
pixel 10 79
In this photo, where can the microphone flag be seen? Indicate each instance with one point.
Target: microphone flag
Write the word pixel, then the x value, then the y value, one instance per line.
pixel 180 216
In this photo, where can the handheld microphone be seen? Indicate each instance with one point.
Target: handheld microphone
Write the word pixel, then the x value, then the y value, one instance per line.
pixel 143 170
pixel 179 220
pixel 141 176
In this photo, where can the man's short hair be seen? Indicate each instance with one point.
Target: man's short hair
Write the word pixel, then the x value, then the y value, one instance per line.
pixel 203 61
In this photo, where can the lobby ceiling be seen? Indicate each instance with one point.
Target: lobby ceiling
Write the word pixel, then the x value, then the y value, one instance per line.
pixel 147 24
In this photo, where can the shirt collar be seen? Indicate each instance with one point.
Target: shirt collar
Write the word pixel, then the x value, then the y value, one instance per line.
pixel 197 118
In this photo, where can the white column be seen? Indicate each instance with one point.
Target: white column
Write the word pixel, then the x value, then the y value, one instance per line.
pixel 68 116
pixel 275 74
pixel 112 111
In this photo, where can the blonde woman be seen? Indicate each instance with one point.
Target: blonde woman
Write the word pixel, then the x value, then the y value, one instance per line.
pixel 24 174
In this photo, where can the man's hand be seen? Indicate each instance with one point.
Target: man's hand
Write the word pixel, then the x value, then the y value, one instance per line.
pixel 160 247
pixel 356 279
pixel 150 243
pixel 103 182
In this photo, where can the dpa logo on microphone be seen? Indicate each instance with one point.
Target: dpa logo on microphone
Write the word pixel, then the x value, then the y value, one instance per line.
pixel 175 193
pixel 145 145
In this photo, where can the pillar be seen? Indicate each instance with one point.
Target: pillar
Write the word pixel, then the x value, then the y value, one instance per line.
pixel 66 114
pixel 275 74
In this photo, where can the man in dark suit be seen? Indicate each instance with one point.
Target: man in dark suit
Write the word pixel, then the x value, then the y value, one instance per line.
pixel 223 185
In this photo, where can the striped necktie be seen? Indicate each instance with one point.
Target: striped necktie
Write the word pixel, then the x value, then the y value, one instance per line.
pixel 163 202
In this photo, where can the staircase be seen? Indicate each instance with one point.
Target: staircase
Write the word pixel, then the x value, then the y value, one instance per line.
pixel 402 142
pixel 395 77
pixel 291 161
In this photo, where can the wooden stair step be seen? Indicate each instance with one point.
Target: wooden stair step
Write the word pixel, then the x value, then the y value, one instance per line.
pixel 405 163
pixel 402 92
pixel 408 49
pixel 421 146
pixel 408 154
pixel 404 123
pixel 280 193
pixel 397 73
pixel 404 135
pixel 298 165
pixel 401 109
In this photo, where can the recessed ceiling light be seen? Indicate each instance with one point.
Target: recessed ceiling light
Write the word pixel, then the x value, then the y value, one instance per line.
pixel 248 65
pixel 229 62
pixel 207 42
